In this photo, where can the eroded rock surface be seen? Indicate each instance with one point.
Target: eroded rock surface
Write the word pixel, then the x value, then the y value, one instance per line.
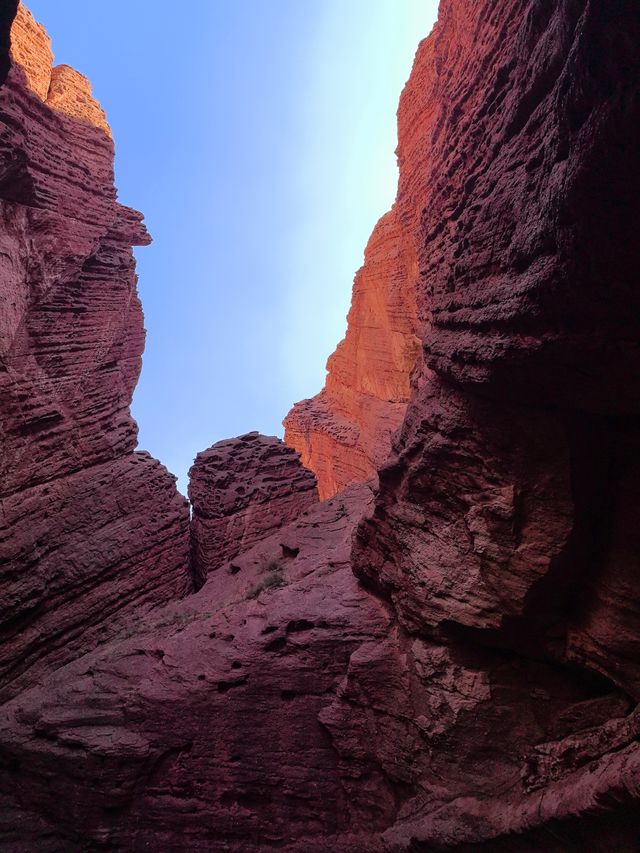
pixel 202 730
pixel 502 521
pixel 527 236
pixel 451 662
pixel 344 433
pixel 241 490
pixel 284 707
pixel 61 87
pixel 89 530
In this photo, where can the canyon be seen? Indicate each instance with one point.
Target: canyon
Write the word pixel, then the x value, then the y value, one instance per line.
pixel 414 624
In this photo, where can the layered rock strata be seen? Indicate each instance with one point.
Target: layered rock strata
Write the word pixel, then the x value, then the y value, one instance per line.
pixel 201 730
pixel 242 490
pixel 89 530
pixel 344 433
pixel 61 87
pixel 502 522
pixel 450 663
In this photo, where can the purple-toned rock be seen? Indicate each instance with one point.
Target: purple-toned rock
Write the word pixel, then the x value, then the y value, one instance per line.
pixel 283 707
pixel 451 663
pixel 201 728
pixel 89 530
pixel 242 490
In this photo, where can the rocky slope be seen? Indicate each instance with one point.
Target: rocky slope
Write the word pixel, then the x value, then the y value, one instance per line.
pixel 449 662
pixel 201 731
pixel 89 530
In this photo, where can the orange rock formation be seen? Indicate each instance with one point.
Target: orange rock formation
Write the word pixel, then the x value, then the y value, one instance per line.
pixel 62 88
pixel 344 433
pixel 31 48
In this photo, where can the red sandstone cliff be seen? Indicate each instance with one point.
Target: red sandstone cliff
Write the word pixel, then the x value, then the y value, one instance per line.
pixel 89 530
pixel 344 433
pixel 477 688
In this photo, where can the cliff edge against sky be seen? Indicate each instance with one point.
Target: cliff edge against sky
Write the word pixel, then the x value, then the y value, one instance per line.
pixel 445 657
pixel 90 530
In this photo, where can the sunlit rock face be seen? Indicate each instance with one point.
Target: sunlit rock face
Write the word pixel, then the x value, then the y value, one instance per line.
pixel 242 490
pixel 31 50
pixel 344 433
pixel 451 661
pixel 61 87
pixel 89 530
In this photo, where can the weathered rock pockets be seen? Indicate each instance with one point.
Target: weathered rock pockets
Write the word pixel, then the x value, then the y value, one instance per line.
pixel 242 490
pixel 450 661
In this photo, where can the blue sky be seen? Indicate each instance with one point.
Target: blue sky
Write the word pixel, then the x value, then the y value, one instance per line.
pixel 257 137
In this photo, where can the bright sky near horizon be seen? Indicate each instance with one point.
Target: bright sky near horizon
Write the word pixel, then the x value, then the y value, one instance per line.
pixel 257 137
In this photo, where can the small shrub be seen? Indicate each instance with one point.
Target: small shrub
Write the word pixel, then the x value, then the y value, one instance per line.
pixel 271 566
pixel 272 580
pixel 180 619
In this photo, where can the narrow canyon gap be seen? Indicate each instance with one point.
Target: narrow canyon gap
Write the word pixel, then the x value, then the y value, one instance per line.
pixel 437 647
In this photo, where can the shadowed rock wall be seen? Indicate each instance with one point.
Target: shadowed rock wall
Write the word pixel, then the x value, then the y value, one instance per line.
pixel 89 530
pixel 449 662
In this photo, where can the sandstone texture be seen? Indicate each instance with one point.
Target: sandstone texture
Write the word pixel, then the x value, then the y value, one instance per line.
pixel 446 660
pixel 70 92
pixel 242 490
pixel 502 520
pixel 528 235
pixel 89 530
pixel 201 731
pixel 344 433
pixel 31 50
pixel 61 87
